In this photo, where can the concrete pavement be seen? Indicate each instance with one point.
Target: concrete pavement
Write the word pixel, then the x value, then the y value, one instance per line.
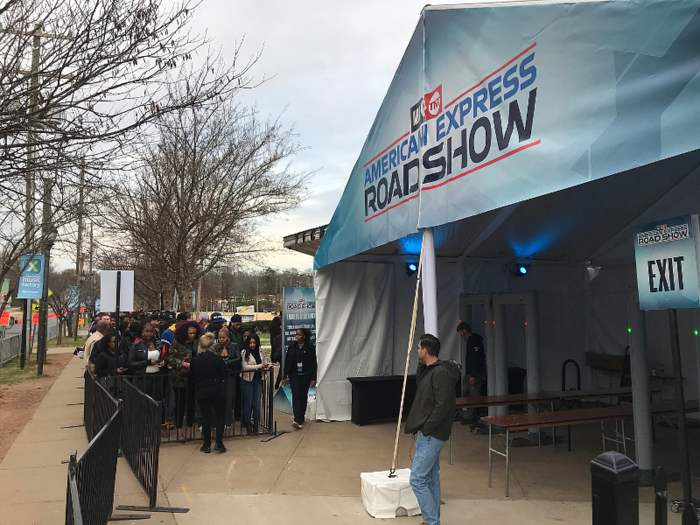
pixel 309 476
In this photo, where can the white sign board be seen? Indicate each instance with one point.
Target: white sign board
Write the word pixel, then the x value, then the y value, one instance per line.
pixel 108 293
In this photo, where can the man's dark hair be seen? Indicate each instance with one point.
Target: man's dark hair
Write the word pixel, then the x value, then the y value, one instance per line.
pixel 183 316
pixel 431 344
pixel 464 326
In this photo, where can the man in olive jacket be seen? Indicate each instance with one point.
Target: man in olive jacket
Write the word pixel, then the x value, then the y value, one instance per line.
pixel 431 417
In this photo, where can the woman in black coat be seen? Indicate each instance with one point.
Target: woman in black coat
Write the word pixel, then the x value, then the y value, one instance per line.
pixel 208 371
pixel 300 367
pixel 108 360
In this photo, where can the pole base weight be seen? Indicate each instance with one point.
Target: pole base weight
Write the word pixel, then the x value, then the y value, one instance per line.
pixel 173 510
pixel 129 517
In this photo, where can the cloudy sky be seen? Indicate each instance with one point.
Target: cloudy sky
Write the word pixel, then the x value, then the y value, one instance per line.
pixel 330 65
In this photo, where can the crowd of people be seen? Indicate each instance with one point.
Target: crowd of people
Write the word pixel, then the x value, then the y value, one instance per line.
pixel 204 369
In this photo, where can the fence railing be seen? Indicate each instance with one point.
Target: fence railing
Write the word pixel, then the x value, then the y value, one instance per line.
pixel 99 405
pixel 10 347
pixel 94 475
pixel 74 514
pixel 140 439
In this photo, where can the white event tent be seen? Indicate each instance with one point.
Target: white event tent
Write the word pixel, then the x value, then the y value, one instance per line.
pixel 536 133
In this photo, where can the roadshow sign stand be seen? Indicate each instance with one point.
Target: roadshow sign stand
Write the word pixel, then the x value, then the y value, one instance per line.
pixel 666 256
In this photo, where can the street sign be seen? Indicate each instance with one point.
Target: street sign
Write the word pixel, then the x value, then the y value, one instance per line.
pixel 5 318
pixel 35 318
pixel 108 293
pixel 4 292
pixel 666 260
pixel 81 322
pixel 31 281
pixel 74 297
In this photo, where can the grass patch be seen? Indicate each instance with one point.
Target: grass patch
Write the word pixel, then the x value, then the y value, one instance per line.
pixel 68 341
pixel 11 373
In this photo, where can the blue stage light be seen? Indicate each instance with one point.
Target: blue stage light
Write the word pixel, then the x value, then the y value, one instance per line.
pixel 522 269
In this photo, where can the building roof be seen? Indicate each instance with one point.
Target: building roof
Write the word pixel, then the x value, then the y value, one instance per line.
pixel 306 241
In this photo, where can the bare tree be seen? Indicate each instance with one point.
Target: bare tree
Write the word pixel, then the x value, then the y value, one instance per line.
pixel 210 175
pixel 59 300
pixel 79 79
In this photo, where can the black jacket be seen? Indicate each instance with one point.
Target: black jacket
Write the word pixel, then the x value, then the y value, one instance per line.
pixel 138 356
pixel 305 355
pixel 207 371
pixel 233 359
pixel 433 409
pixel 475 364
pixel 105 365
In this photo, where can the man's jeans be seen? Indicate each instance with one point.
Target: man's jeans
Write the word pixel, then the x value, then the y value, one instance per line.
pixel 425 477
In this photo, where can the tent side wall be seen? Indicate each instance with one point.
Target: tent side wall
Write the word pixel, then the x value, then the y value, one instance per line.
pixel 364 314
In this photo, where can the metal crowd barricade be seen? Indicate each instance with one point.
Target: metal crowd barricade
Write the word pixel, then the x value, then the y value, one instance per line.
pixel 91 476
pixel 88 403
pixel 140 443
pixel 174 410
pixel 74 514
pixel 99 406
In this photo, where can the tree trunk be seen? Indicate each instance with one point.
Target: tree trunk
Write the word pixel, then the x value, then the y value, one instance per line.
pixel 59 336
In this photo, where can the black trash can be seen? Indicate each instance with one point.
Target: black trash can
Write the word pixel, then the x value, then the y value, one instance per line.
pixel 516 384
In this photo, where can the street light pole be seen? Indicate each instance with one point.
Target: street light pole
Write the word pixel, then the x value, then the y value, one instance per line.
pixel 49 240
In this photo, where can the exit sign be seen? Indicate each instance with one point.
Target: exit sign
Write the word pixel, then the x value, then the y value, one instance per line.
pixel 666 260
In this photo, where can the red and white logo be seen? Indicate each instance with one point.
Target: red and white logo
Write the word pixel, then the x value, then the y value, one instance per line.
pixel 433 103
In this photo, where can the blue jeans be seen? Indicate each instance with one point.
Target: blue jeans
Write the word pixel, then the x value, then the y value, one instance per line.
pixel 252 394
pixel 425 477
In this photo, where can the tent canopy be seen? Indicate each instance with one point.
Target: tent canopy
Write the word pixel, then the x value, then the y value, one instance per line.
pixel 493 105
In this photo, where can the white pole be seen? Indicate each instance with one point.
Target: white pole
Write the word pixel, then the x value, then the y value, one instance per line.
pixel 490 349
pixel 640 391
pixel 532 348
pixel 429 284
pixel 501 362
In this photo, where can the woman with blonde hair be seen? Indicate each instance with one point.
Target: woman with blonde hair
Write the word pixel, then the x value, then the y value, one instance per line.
pixel 208 372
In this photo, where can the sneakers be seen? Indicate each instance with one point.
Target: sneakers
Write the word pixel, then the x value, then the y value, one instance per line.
pixel 205 449
pixel 219 447
pixel 297 426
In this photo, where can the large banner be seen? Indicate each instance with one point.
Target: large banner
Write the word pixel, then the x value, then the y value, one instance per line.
pixel 493 105
pixel 298 311
pixel 31 281
pixel 667 271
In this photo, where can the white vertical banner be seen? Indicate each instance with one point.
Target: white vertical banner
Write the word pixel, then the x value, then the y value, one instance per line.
pixel 108 292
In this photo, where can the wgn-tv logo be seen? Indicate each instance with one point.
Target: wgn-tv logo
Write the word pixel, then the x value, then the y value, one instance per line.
pixel 429 107
pixel 665 274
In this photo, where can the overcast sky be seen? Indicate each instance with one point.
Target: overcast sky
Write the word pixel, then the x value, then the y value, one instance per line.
pixel 332 64
pixel 329 65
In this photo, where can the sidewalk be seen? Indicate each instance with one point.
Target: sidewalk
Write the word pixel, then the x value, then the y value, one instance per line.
pixel 309 476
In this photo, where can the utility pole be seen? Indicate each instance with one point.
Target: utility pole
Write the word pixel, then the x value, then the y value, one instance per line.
pixel 257 297
pixel 29 182
pixel 92 281
pixel 78 257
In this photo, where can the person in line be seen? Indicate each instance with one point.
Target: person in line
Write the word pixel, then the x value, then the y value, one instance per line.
pixel 108 360
pixel 146 364
pixel 100 317
pixel 129 337
pixel 252 362
pixel 203 320
pixel 431 417
pixel 100 329
pixel 300 367
pixel 168 336
pixel 234 327
pixel 179 356
pixel 217 321
pixel 231 354
pixel 474 367
pixel 208 372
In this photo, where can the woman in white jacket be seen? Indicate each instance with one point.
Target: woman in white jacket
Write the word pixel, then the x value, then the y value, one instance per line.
pixel 253 362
